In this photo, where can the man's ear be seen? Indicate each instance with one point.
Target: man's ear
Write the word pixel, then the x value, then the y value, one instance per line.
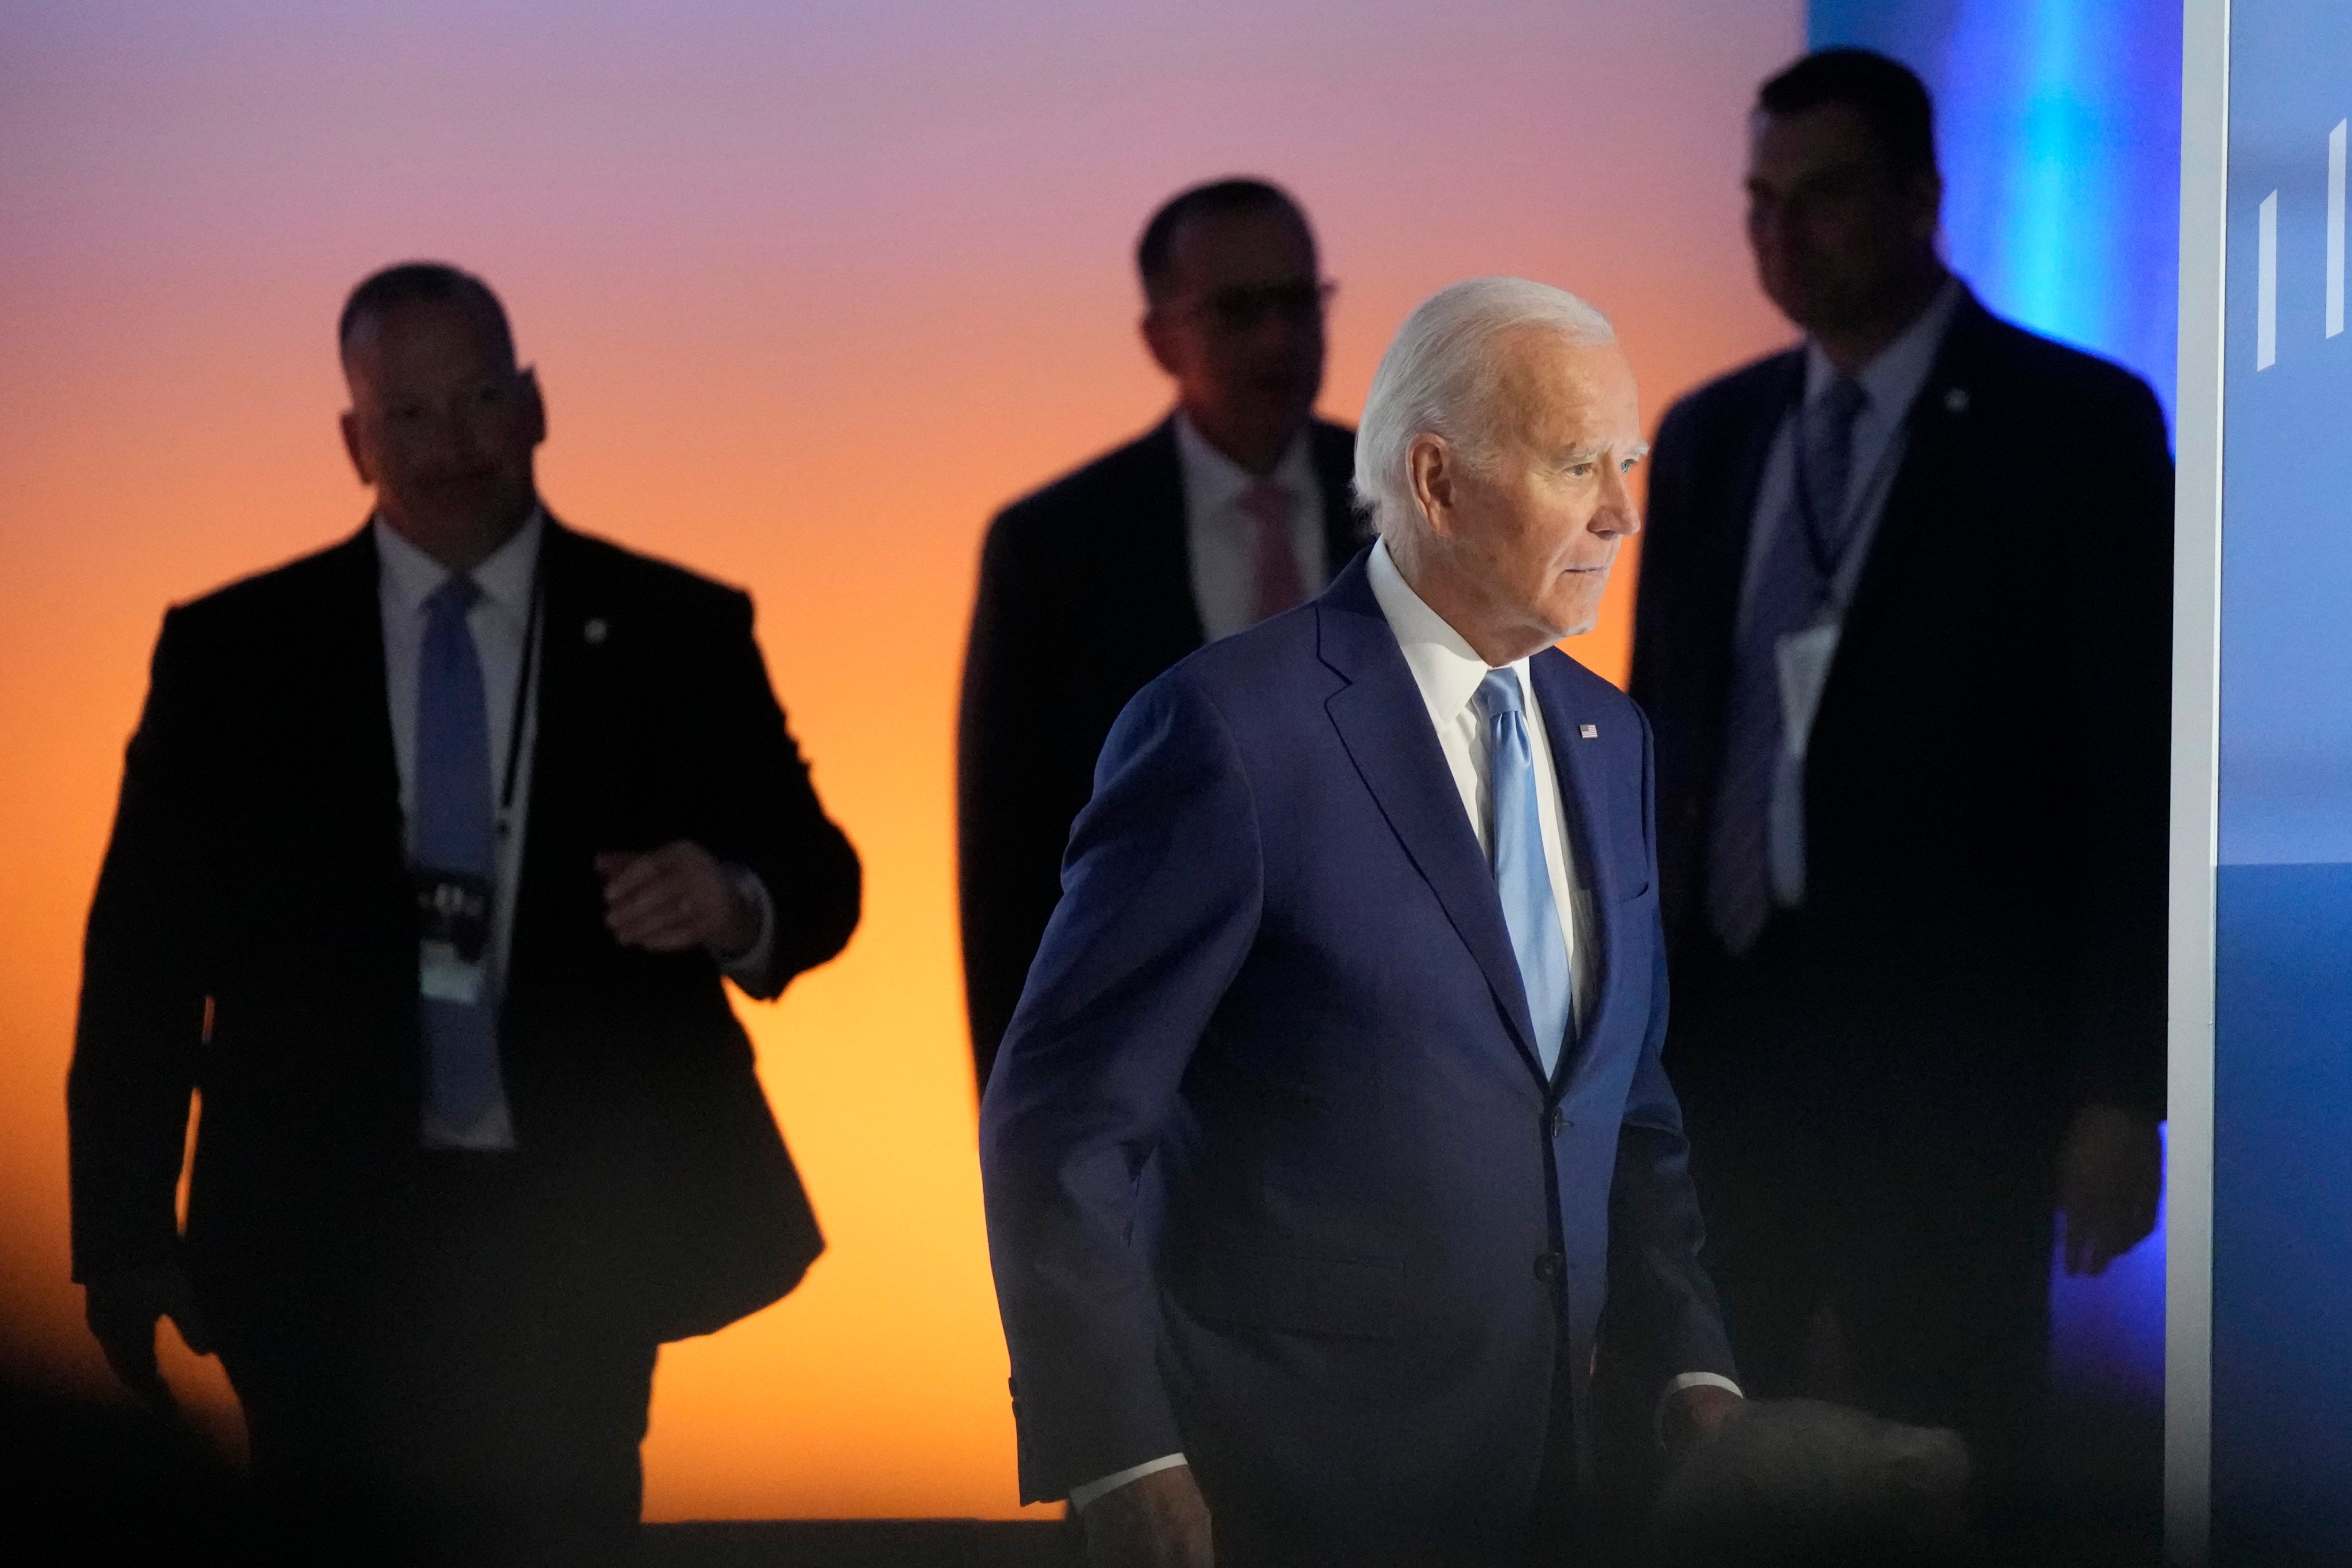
pixel 534 406
pixel 1432 469
pixel 351 428
pixel 1160 338
pixel 1927 199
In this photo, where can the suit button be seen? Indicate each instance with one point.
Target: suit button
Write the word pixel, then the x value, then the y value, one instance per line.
pixel 1557 1123
pixel 1549 1265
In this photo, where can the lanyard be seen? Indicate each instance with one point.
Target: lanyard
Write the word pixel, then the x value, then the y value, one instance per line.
pixel 522 698
pixel 1837 570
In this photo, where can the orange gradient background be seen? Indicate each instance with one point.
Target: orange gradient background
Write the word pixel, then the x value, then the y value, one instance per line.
pixel 812 290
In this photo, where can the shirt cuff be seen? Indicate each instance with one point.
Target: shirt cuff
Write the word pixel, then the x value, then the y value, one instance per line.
pixel 746 967
pixel 1081 1496
pixel 1687 1380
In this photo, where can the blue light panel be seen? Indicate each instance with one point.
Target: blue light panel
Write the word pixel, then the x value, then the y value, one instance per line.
pixel 2058 127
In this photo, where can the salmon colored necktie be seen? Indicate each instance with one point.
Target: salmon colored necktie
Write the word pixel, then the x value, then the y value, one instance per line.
pixel 1279 587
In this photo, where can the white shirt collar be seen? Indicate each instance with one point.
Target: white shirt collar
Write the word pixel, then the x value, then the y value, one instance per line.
pixel 504 576
pixel 1893 379
pixel 1445 665
pixel 1214 482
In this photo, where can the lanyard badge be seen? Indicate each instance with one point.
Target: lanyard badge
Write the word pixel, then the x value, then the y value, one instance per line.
pixel 453 917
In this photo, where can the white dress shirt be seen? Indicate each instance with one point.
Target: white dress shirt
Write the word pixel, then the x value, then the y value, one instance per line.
pixel 1891 384
pixel 499 622
pixel 1448 671
pixel 1221 537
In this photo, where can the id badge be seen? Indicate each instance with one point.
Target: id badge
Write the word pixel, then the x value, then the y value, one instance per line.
pixel 1804 662
pixel 441 976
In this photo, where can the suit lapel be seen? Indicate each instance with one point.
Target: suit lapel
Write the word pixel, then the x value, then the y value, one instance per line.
pixel 1921 489
pixel 1584 807
pixel 1727 558
pixel 565 786
pixel 1384 726
pixel 1162 572
pixel 568 625
pixel 343 721
pixel 1705 606
pixel 360 706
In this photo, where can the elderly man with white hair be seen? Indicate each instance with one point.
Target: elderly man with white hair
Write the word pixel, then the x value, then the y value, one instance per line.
pixel 1332 1124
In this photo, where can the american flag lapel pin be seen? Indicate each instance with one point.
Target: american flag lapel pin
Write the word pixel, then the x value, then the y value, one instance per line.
pixel 1590 732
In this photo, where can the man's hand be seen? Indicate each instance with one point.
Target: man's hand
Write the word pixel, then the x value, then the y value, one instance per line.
pixel 1698 1415
pixel 1158 1521
pixel 121 1308
pixel 2110 1176
pixel 675 898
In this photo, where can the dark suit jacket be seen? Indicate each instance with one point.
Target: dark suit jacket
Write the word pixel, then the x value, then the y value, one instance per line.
pixel 1086 593
pixel 1987 784
pixel 1281 975
pixel 254 937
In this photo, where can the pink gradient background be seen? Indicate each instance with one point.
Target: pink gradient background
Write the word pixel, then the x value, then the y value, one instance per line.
pixel 812 290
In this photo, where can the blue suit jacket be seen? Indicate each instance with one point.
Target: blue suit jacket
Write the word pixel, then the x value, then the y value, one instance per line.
pixel 1273 1174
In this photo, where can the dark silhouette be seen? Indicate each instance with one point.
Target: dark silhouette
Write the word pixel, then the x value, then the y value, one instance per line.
pixel 107 1480
pixel 438 1278
pixel 1919 961
pixel 1090 588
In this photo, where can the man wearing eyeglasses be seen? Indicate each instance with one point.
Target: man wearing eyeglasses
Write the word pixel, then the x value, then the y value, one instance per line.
pixel 1235 507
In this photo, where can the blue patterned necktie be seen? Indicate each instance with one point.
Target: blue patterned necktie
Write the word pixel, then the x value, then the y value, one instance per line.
pixel 1522 876
pixel 455 833
pixel 1793 587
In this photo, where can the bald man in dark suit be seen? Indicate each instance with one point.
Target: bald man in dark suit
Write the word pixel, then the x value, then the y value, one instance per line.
pixel 433 851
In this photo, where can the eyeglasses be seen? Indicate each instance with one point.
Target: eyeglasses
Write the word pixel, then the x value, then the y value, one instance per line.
pixel 1237 310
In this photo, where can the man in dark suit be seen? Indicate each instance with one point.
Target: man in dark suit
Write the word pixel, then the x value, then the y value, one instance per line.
pixel 433 848
pixel 1903 634
pixel 1234 507
pixel 1332 1116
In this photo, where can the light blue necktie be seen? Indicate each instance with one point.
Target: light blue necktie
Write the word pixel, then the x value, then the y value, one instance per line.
pixel 1522 876
pixel 455 833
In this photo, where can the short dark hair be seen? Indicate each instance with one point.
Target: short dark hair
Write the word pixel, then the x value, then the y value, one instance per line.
pixel 423 283
pixel 1154 251
pixel 1892 101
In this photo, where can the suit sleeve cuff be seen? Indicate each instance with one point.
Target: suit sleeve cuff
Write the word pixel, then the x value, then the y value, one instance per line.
pixel 748 967
pixel 1081 1496
pixel 1687 1380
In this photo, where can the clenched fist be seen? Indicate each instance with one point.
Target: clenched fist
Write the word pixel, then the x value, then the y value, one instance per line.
pixel 675 898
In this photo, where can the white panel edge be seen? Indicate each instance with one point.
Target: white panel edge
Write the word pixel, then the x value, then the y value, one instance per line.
pixel 2196 734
